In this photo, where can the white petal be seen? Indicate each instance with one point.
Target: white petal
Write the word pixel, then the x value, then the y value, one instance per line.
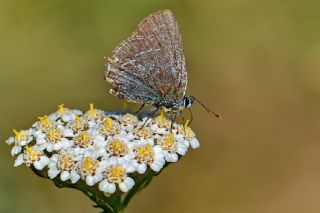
pixel 40 140
pixel 171 157
pixel 53 172
pixel 74 177
pixel 186 143
pixel 131 154
pixel 15 150
pixel 53 116
pixel 157 148
pixel 78 157
pixel 157 165
pixel 65 143
pixel 19 160
pixel 182 149
pixel 44 160
pixel 37 133
pixel 25 142
pixel 88 152
pixel 127 184
pixel 49 148
pixel 66 117
pixel 57 146
pixel 40 164
pixel 10 140
pixel 130 127
pixel 112 160
pixel 54 158
pixel 141 168
pixel 65 175
pixel 104 164
pixel 91 124
pixel 77 112
pixel 77 151
pixel 179 137
pixel 98 177
pixel 194 143
pixel 154 127
pixel 68 133
pixel 105 186
pixel 90 181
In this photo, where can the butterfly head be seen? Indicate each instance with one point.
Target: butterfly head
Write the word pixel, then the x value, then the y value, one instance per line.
pixel 187 101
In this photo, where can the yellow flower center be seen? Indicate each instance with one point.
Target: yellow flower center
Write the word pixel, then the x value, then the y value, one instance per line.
pixel 20 136
pixel 55 135
pixel 31 155
pixel 89 166
pixel 91 110
pixel 84 136
pixel 128 119
pixel 188 133
pixel 66 162
pixel 61 108
pixel 78 125
pixel 115 174
pixel 162 121
pixel 143 133
pixel 168 143
pixel 144 154
pixel 109 127
pixel 107 122
pixel 78 120
pixel 95 114
pixel 117 148
pixel 144 150
pixel 83 140
pixel 45 122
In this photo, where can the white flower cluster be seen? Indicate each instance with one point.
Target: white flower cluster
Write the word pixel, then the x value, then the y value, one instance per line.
pixel 100 148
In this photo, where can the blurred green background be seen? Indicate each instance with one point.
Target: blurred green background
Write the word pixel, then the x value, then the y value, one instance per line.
pixel 256 62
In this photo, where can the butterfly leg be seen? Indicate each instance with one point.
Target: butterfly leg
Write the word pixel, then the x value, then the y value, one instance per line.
pixel 152 114
pixel 180 115
pixel 173 120
pixel 141 107
pixel 183 121
pixel 191 116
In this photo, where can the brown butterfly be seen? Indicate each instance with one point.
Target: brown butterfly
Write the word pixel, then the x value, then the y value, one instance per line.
pixel 149 67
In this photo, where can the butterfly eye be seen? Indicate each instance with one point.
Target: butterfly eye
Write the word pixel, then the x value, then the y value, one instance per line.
pixel 187 102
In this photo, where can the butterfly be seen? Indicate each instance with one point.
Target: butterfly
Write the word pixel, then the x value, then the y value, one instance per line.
pixel 149 67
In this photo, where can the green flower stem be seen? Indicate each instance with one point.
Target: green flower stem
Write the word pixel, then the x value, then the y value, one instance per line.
pixel 141 181
pixel 116 203
pixel 108 204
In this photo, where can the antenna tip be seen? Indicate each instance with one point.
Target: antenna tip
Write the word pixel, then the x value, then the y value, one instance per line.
pixel 215 115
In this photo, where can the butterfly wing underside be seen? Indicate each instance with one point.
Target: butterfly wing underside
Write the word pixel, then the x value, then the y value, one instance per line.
pixel 149 67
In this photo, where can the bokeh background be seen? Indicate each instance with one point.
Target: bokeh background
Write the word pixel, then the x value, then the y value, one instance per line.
pixel 256 62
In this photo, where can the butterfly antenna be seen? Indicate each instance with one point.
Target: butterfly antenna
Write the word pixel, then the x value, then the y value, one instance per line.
pixel 206 108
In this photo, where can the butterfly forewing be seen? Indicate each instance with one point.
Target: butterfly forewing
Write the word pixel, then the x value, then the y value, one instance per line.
pixel 149 67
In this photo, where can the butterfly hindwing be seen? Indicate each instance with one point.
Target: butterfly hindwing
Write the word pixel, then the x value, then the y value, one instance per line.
pixel 149 67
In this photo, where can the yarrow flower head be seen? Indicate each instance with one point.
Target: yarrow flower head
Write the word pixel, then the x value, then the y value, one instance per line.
pixel 116 172
pixel 110 152
pixel 20 140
